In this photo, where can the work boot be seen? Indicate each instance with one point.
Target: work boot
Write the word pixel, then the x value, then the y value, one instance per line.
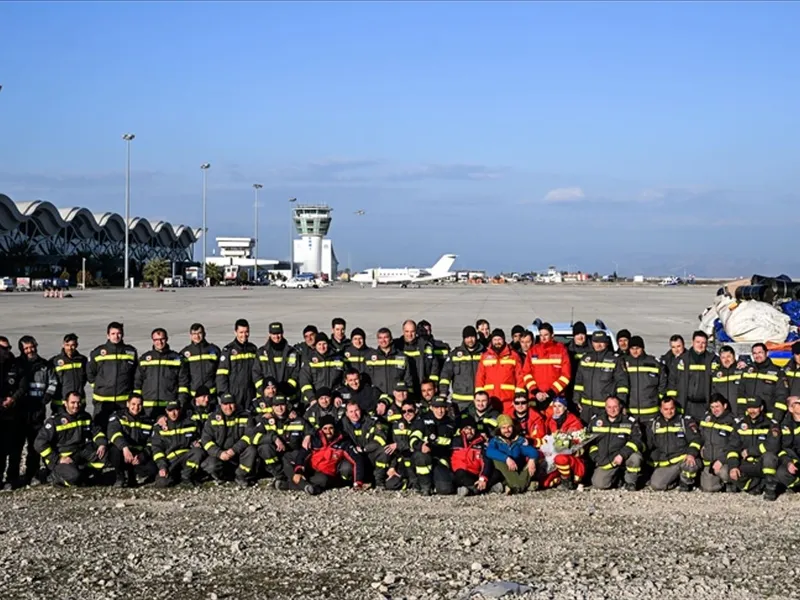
pixel 311 490
pixel 281 485
pixel 568 484
pixel 463 491
pixel 630 487
pixel 121 481
pixel 684 487
pixel 770 494
pixel 731 488
pixel 497 488
pixel 242 483
pixel 426 491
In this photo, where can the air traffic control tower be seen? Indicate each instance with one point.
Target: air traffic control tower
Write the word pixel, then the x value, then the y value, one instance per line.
pixel 311 222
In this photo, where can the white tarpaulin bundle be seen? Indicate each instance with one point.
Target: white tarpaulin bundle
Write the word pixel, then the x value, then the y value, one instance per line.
pixel 752 321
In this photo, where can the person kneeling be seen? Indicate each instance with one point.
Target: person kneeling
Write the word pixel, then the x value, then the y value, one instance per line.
pixel 472 472
pixel 513 456
pixel 330 461
pixel 69 444
pixel 129 433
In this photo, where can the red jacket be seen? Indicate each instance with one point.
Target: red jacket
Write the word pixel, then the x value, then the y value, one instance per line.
pixel 532 425
pixel 547 369
pixel 569 424
pixel 326 456
pixel 468 456
pixel 500 376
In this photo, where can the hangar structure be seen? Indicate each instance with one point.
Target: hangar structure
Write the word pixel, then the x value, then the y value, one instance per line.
pixel 43 234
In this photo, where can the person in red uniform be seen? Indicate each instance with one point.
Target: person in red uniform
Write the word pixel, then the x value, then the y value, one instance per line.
pixel 529 420
pixel 570 469
pixel 472 473
pixel 547 370
pixel 500 373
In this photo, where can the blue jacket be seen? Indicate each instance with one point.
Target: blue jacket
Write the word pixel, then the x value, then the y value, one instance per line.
pixel 520 450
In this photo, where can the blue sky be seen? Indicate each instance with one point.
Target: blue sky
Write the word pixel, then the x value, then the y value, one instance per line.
pixel 660 136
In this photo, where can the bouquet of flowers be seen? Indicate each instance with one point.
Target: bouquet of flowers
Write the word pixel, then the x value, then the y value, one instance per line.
pixel 563 443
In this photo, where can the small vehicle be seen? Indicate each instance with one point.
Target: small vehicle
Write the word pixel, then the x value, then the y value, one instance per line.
pixel 7 284
pixel 296 283
pixel 562 331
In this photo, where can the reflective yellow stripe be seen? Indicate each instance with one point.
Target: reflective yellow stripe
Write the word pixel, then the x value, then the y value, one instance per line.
pixel 99 398
pixel 163 362
pixel 69 366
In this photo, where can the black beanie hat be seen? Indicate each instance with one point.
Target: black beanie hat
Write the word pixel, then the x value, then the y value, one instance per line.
pixel 578 327
pixel 358 331
pixel 636 342
pixel 498 333
pixel 469 331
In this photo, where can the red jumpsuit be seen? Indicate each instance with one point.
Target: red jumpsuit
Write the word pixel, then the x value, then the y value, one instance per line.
pixel 547 369
pixel 567 465
pixel 500 376
pixel 532 425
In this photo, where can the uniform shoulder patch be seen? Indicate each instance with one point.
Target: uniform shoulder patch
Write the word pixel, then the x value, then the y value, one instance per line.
pixel 234 352
pixel 775 432
pixel 708 418
pixel 272 421
pixel 64 420
pixel 374 357
pixel 218 418
pixel 599 423
pixel 347 355
pixel 103 352
pixel 314 359
pixel 48 425
pixel 187 354
pixel 60 362
pixel 222 358
pixel 148 357
pixel 743 426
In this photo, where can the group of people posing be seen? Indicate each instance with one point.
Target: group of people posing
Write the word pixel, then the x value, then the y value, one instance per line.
pixel 412 412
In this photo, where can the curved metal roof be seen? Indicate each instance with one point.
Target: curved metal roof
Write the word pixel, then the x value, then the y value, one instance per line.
pixel 51 219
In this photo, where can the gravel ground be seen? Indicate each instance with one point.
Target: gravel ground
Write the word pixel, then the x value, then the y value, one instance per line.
pixel 215 542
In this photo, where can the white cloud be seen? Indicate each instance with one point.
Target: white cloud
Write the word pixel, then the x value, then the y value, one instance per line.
pixel 568 194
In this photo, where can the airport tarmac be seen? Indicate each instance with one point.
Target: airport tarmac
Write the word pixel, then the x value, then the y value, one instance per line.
pixel 650 311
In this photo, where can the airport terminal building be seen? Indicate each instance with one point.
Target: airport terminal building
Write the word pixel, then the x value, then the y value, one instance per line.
pixel 38 238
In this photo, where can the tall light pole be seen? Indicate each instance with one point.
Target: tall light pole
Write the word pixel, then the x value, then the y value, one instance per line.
pixel 291 236
pixel 256 187
pixel 128 137
pixel 205 167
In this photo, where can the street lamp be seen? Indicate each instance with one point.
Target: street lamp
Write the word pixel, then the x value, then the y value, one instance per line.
pixel 128 137
pixel 205 167
pixel 256 187
pixel 291 237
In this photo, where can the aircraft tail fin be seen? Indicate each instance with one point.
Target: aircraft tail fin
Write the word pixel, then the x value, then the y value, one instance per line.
pixel 443 265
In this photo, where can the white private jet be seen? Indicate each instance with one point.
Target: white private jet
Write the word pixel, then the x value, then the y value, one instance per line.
pixel 408 275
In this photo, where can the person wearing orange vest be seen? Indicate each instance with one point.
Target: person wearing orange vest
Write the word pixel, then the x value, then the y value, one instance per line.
pixel 500 373
pixel 547 369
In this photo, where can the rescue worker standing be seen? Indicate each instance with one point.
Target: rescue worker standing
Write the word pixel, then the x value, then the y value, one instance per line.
pixel 13 387
pixel 760 381
pixel 308 345
pixel 753 454
pixel 235 372
pixel 601 374
pixel 70 444
pixel 419 353
pixel 110 371
pixel 161 377
pixel 324 368
pixel 460 368
pixel 176 447
pixel 129 433
pixel 356 352
pixel 500 373
pixel 70 368
pixel 42 387
pixel 648 382
pixel 547 369
pixel 386 365
pixel 717 430
pixel 619 443
pixel 790 376
pixel 441 349
pixel 276 359
pixel 690 377
pixel 674 443
pixel 338 341
pixel 201 360
pixel 726 379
